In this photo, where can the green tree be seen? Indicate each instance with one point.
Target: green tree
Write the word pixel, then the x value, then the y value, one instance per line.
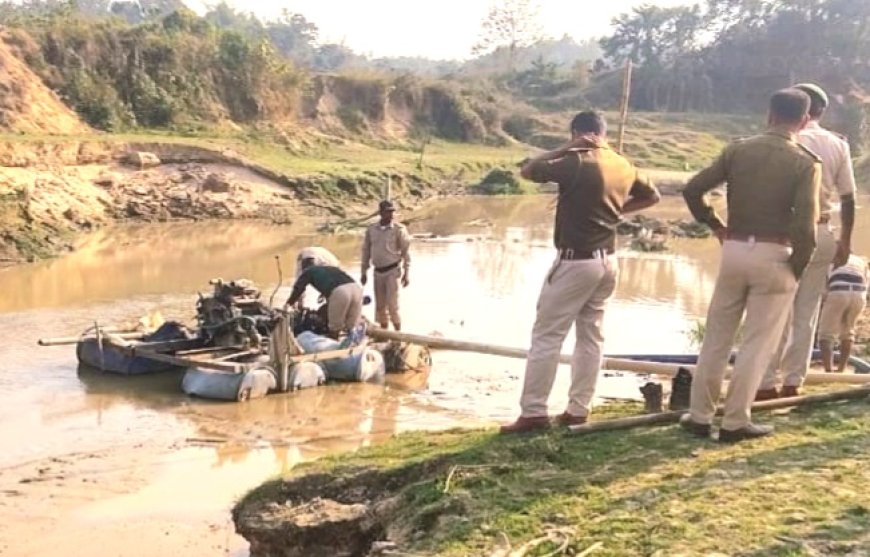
pixel 509 25
pixel 293 36
pixel 654 36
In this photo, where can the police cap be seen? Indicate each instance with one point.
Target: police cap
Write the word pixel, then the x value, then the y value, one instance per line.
pixel 815 92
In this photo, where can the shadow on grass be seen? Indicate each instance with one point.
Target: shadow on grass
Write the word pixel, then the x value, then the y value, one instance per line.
pixel 847 535
pixel 640 491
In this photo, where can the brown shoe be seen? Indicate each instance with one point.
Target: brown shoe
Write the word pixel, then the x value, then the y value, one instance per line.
pixel 766 394
pixel 526 425
pixel 789 391
pixel 567 420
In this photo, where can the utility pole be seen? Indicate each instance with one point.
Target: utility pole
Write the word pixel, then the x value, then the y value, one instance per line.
pixel 623 107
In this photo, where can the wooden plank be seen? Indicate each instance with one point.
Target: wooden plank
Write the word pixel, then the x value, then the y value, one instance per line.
pixel 323 356
pixel 206 350
pixel 615 364
pixel 185 362
pixel 665 418
pixel 171 345
pixel 234 356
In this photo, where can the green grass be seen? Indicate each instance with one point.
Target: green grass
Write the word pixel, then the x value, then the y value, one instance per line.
pixel 641 492
pixel 329 157
pixel 668 141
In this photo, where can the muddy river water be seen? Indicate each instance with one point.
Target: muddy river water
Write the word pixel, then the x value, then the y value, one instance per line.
pixel 99 465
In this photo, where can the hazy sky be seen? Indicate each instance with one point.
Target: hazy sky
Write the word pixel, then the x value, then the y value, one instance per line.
pixel 432 28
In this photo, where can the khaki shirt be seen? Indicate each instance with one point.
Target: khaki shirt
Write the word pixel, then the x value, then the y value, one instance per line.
pixel 773 189
pixel 838 177
pixel 386 245
pixel 594 184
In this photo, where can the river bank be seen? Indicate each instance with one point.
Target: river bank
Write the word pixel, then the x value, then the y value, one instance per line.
pixel 53 190
pixel 653 491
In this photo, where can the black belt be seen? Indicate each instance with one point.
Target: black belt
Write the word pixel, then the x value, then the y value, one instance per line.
pixel 387 268
pixel 568 254
pixel 847 288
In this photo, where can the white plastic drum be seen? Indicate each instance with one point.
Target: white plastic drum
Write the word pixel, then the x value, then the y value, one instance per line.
pixel 371 366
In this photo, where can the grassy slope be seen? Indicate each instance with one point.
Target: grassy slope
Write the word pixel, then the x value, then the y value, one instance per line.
pixel 665 141
pixel 344 159
pixel 647 492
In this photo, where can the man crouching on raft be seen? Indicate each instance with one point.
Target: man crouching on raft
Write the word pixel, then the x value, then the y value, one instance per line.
pixel 344 296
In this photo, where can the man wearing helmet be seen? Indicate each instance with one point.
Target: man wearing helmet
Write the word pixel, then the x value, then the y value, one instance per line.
pixel 838 180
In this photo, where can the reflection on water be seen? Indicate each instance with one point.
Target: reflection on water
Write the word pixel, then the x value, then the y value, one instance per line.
pixel 477 279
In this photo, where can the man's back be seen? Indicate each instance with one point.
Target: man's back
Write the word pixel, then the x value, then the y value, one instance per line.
pixel 838 178
pixel 764 176
pixel 772 191
pixel 854 272
pixel 323 278
pixel 594 184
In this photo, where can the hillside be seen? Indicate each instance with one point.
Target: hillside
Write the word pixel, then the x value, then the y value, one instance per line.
pixel 27 105
pixel 183 74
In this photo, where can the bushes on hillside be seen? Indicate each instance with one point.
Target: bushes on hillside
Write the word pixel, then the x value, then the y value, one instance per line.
pixel 162 73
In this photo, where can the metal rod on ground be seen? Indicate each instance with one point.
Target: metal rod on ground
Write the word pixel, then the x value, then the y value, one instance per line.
pixel 616 364
pixel 673 417
pixel 280 280
pixel 623 108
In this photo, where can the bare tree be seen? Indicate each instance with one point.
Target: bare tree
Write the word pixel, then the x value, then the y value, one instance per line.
pixel 510 25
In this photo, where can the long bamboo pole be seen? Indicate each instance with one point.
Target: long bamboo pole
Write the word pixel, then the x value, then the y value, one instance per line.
pixel 62 341
pixel 616 364
pixel 665 418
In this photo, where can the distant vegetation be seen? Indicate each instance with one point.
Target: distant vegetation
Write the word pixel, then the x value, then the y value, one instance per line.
pixel 154 63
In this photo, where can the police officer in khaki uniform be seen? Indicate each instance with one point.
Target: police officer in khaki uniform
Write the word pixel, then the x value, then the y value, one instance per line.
pixel 596 187
pixel 772 191
pixel 386 246
pixel 838 184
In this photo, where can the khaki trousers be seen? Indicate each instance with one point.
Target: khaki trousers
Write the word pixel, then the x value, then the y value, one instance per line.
pixel 344 307
pixel 387 289
pixel 839 315
pixel 754 278
pixel 575 292
pixel 796 344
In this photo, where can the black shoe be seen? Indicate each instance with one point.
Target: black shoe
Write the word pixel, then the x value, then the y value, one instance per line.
pixel 693 427
pixel 681 390
pixel 652 398
pixel 751 431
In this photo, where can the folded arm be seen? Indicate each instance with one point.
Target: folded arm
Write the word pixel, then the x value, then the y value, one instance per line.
pixel 643 194
pixel 695 192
